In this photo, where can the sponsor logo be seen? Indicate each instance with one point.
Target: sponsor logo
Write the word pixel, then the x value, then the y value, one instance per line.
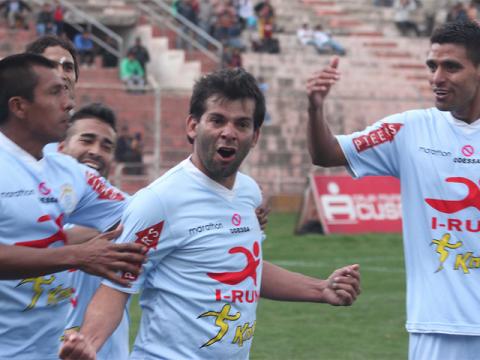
pixel 354 208
pixel 386 133
pixel 434 152
pixel 452 206
pixel 149 238
pixel 45 242
pixel 202 228
pixel 239 230
pixel 466 161
pixel 68 198
pixel 43 189
pixel 236 220
pixel 250 270
pixel 104 191
pixel 464 262
pixel 16 194
pixel 468 150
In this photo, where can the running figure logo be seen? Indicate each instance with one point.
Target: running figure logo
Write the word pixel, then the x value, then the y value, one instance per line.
pixel 442 245
pixel 250 270
pixel 452 206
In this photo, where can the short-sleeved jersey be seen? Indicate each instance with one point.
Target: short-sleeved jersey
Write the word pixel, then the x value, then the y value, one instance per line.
pixel 85 285
pixel 201 282
pixel 437 159
pixel 36 199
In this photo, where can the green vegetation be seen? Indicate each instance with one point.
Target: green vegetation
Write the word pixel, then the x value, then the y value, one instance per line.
pixel 373 328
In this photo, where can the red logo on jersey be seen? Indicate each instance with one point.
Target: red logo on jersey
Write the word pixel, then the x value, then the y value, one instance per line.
pixel 149 238
pixel 468 150
pixel 236 277
pixel 376 137
pixel 452 206
pixel 43 243
pixel 104 192
pixel 236 219
pixel 44 190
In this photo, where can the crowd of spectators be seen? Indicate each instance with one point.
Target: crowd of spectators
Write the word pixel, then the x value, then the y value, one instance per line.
pixel 238 24
pixel 419 17
pixel 320 39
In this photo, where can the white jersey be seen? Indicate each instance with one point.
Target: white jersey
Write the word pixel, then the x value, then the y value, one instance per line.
pixel 437 159
pixel 36 199
pixel 201 282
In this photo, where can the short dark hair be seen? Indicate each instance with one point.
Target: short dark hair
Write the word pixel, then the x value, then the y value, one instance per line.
pixel 17 78
pixel 43 42
pixel 466 33
pixel 98 111
pixel 231 84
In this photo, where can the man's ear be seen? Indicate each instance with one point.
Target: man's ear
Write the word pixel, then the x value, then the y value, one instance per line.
pixel 18 106
pixel 256 135
pixel 61 146
pixel 191 128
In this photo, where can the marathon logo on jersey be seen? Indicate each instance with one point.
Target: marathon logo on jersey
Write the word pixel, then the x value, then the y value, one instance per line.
pixel 435 152
pixel 205 228
pixel 149 238
pixel 386 133
pixel 103 190
pixel 45 191
pixel 16 194
pixel 237 221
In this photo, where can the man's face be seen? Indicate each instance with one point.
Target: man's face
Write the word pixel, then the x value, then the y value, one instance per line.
pixel 223 137
pixel 45 119
pixel 91 142
pixel 454 79
pixel 65 62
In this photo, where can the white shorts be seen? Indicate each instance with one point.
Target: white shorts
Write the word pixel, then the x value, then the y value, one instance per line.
pixel 443 347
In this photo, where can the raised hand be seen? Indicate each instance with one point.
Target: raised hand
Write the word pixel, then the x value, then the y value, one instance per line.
pixel 320 82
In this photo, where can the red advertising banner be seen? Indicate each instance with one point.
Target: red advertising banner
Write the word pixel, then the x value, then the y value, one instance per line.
pixel 346 205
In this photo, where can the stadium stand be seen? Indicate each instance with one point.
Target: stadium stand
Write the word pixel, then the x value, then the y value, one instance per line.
pixel 382 70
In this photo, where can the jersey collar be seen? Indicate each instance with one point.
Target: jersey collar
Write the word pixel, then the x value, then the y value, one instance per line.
pixel 467 129
pixel 205 180
pixel 15 150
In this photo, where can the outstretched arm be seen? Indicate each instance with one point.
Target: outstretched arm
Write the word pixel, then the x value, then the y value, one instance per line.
pixel 103 315
pixel 341 288
pixel 98 257
pixel 322 145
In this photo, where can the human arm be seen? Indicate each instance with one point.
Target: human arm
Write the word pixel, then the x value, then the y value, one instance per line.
pixel 79 234
pixel 102 317
pixel 323 146
pixel 341 288
pixel 98 257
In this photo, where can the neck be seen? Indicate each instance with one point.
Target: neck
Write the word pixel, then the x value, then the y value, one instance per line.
pixel 23 139
pixel 227 181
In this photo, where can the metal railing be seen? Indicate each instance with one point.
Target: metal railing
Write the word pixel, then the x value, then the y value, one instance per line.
pixel 161 13
pixel 92 22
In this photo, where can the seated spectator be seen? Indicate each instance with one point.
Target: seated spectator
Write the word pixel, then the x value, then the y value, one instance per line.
pixel 324 43
pixel 84 45
pixel 232 57
pixel 131 73
pixel 16 13
pixel 124 145
pixel 135 157
pixel 305 35
pixel 45 22
pixel 187 9
pixel 109 60
pixel 140 53
pixel 404 11
pixel 246 14
pixel 457 12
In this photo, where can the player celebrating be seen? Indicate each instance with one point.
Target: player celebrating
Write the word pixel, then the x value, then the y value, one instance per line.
pixel 204 272
pixel 38 194
pixel 434 152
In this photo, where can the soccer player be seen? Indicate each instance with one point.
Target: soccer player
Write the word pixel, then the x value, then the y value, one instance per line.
pixel 91 139
pixel 38 194
pixel 435 154
pixel 204 273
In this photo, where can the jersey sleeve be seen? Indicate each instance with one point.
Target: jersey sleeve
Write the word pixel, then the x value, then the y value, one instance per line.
pixel 101 205
pixel 144 221
pixel 375 150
